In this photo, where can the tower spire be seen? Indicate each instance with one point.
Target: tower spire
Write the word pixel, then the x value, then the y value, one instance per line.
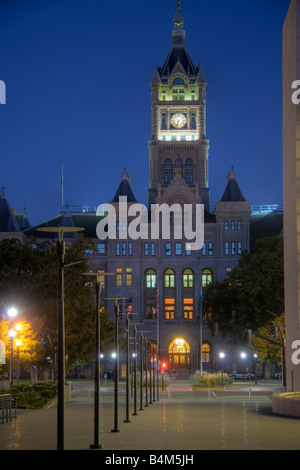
pixel 178 35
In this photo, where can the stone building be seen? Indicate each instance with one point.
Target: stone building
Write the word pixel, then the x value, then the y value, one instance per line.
pixel 162 280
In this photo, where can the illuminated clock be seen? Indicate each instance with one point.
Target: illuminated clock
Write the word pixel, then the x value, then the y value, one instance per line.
pixel 178 120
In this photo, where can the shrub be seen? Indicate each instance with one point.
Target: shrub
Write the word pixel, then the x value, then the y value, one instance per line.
pixel 210 380
pixel 33 396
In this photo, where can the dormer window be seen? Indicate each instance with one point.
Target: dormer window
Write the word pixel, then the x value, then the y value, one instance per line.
pixel 178 81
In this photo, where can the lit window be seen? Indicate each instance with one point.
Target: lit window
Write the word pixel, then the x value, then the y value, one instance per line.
pixel 226 248
pixel 210 249
pixel 152 249
pixel 101 248
pixel 188 278
pixel 169 278
pixel 151 309
pixel 205 352
pixel 178 249
pixel 168 251
pixel 89 251
pixel 204 249
pixel 150 279
pixel 129 277
pixel 188 308
pixel 124 248
pixel 119 277
pixel 146 249
pixel 169 309
pixel 188 250
pixel 206 277
pixel 130 249
pixel 118 249
pixel 227 270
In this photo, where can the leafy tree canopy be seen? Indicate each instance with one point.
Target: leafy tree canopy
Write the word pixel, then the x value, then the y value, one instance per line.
pixel 252 295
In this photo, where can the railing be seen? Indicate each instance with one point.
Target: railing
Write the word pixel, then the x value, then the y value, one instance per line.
pixel 8 404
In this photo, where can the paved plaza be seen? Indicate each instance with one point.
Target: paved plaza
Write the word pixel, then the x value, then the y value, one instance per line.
pixel 182 420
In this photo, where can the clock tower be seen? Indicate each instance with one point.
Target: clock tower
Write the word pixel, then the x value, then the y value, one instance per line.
pixel 178 145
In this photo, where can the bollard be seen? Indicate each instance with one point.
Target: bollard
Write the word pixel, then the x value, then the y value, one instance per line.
pixel 250 393
pixel 209 393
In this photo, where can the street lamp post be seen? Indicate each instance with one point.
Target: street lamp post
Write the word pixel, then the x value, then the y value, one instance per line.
pixel 98 276
pixel 135 371
pixel 18 344
pixel 61 329
pixel 127 420
pixel 153 372
pixel 12 312
pixel 222 355
pixel 141 378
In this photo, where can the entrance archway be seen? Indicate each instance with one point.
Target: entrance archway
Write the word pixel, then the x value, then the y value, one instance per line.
pixel 179 354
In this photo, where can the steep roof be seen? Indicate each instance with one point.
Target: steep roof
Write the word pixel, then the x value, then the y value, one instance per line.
pixel 232 192
pixel 181 55
pixel 178 53
pixel 124 189
pixel 8 222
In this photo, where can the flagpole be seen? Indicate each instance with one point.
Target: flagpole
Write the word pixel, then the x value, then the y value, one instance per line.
pixel 157 342
pixel 200 348
pixel 62 189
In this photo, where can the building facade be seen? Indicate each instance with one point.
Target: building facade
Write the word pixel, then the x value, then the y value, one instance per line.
pixel 161 281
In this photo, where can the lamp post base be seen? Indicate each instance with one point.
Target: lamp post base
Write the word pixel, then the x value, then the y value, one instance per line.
pixel 96 446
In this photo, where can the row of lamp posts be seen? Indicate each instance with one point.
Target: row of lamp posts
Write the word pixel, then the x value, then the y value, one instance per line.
pixel 61 351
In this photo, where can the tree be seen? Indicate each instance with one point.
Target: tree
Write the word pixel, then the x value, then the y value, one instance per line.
pixel 252 294
pixel 29 280
pixel 267 350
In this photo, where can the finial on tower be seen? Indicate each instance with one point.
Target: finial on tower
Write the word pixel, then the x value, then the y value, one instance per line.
pixel 178 33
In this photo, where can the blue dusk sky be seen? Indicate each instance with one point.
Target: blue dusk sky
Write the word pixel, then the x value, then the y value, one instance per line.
pixel 77 75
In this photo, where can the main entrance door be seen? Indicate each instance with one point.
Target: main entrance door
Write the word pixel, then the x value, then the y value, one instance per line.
pixel 179 354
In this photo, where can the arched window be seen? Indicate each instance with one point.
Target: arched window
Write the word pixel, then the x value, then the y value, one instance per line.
pixel 189 170
pixel 232 225
pixel 150 294
pixel 206 277
pixel 150 279
pixel 226 225
pixel 239 225
pixel 169 278
pixel 178 81
pixel 205 352
pixel 168 171
pixel 188 278
pixel 179 354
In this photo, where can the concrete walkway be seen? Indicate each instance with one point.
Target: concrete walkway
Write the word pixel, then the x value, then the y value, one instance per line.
pixel 181 420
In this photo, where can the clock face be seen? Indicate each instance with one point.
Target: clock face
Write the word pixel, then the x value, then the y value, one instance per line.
pixel 178 120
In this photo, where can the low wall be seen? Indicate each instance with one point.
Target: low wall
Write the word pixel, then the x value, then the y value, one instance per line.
pixel 68 396
pixel 286 403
